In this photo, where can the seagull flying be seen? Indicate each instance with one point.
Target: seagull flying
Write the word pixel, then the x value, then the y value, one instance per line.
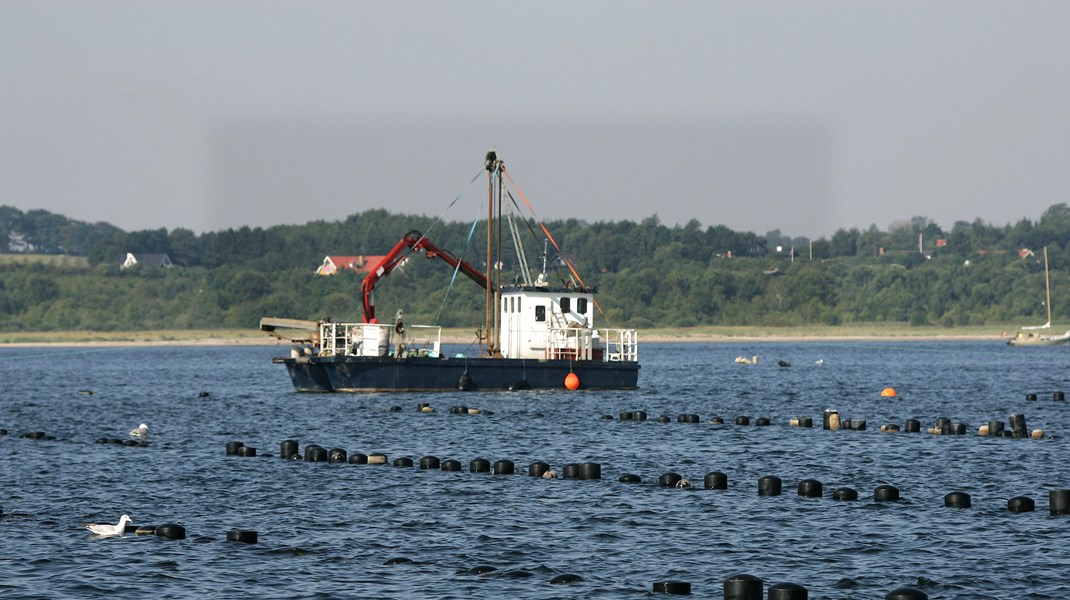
pixel 141 431
pixel 109 530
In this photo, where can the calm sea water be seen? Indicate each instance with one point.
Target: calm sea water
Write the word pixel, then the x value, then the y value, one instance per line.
pixel 326 530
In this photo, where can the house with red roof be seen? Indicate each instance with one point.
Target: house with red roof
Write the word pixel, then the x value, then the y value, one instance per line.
pixel 333 264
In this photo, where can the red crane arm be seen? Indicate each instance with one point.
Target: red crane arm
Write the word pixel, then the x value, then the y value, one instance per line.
pixel 416 242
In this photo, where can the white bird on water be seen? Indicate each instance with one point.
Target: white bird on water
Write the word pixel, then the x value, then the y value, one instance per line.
pixel 141 431
pixel 109 530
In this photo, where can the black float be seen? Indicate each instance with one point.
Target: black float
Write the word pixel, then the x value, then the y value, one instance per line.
pixel 626 415
pixel 479 465
pixel 1021 504
pixel 663 419
pixel 886 493
pixel 912 426
pixel 810 488
pixel 246 451
pixel 769 486
pixel 403 462
pixel 743 587
pixel 681 588
pixel 1018 425
pixel 716 421
pixel 358 459
pixel 638 415
pixel 590 470
pixel 504 467
pixel 287 449
pixel 957 500
pixel 429 462
pixel 244 536
pixel 315 453
pixel 741 420
pixel 451 465
pixel 171 531
pixel 571 471
pixel 669 479
pixel 1059 502
pixel 232 448
pixel 844 494
pixel 1058 396
pixel 538 468
pixel 336 455
pixel 630 478
pixel 715 480
pixel 762 422
pixel 788 591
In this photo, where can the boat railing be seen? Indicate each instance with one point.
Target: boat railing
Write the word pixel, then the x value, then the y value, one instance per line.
pixel 575 343
pixel 423 340
pixel 336 339
pixel 620 345
pixel 375 339
pixel 607 345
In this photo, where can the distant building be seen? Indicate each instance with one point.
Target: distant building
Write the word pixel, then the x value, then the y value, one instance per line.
pixel 333 264
pixel 147 260
pixel 17 242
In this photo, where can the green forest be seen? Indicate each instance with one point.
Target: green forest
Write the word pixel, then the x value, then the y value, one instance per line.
pixel 648 274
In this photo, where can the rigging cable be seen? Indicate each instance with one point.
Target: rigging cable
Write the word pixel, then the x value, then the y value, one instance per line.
pixel 467 245
pixel 552 240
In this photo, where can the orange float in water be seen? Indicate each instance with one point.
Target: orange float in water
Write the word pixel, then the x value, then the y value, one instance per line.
pixel 572 381
pixel 888 392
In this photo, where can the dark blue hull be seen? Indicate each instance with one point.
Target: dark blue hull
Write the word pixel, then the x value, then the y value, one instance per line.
pixel 373 374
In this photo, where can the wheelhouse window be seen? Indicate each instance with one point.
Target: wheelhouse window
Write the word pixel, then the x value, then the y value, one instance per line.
pixel 540 313
pixel 566 305
pixel 581 306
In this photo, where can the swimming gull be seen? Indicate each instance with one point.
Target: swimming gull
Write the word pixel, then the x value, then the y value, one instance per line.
pixel 109 530
pixel 141 431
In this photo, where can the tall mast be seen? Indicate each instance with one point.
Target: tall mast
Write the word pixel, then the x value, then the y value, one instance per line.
pixel 492 165
pixel 1047 285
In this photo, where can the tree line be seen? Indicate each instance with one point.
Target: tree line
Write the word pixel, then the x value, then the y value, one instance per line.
pixel 649 274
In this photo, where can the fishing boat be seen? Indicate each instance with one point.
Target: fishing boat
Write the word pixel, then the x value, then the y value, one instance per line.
pixel 1040 335
pixel 535 335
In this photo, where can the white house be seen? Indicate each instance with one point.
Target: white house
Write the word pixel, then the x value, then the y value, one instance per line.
pixel 148 260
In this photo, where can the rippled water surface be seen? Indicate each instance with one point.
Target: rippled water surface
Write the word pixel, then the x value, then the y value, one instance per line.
pixel 327 530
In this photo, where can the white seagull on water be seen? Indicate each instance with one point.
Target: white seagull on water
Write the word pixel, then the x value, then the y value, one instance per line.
pixel 109 530
pixel 141 431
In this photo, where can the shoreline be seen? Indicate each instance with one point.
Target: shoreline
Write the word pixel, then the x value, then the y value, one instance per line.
pixel 155 339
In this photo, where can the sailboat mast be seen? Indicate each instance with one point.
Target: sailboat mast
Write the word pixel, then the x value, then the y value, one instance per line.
pixel 1047 285
pixel 492 173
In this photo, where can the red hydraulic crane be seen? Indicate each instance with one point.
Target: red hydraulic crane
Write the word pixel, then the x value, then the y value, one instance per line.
pixel 415 242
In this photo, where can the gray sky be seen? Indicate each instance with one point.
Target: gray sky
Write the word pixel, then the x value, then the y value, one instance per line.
pixel 799 116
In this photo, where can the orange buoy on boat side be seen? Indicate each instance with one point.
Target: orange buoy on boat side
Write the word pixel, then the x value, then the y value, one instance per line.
pixel 888 393
pixel 572 381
